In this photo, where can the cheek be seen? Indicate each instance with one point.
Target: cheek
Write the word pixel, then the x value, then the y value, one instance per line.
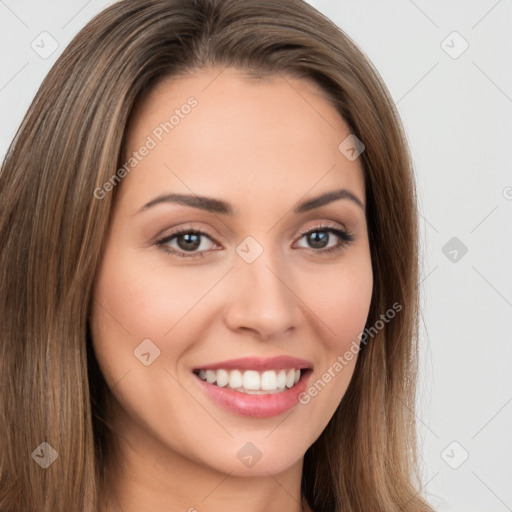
pixel 136 300
pixel 340 297
pixel 353 302
pixel 340 301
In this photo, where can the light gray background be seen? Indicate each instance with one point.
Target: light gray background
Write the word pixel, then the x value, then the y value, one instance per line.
pixel 457 114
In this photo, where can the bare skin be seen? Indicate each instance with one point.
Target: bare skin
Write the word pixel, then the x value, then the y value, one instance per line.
pixel 262 146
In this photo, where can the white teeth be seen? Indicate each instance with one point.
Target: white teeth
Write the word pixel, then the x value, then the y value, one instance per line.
pixel 290 378
pixel 268 381
pixel 281 380
pixel 222 378
pixel 252 381
pixel 235 379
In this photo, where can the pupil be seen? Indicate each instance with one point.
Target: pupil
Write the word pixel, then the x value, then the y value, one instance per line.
pixel 189 243
pixel 318 241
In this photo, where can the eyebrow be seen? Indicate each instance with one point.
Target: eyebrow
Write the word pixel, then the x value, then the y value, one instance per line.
pixel 217 206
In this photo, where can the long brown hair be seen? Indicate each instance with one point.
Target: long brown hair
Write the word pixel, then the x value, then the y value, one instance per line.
pixel 52 228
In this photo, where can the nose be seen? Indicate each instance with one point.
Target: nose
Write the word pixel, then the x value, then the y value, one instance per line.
pixel 262 299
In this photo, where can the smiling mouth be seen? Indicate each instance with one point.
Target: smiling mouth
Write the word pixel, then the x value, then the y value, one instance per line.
pixel 253 382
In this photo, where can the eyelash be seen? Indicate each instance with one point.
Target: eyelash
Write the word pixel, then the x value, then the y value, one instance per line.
pixel 345 237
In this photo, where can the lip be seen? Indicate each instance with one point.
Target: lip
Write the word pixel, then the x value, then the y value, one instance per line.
pixel 255 406
pixel 259 364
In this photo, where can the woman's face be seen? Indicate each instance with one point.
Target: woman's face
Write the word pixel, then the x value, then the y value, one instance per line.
pixel 260 285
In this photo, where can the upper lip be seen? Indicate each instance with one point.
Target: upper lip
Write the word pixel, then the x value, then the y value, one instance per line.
pixel 259 364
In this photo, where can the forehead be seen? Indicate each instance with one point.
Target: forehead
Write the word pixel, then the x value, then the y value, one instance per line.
pixel 219 132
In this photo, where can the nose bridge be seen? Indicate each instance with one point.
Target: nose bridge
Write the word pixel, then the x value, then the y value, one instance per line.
pixel 263 300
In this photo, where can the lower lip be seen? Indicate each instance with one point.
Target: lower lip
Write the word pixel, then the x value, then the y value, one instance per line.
pixel 256 406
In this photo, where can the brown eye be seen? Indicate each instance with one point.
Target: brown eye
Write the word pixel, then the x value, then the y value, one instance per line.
pixel 320 237
pixel 186 241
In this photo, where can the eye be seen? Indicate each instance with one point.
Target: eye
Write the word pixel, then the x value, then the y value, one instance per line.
pixel 187 240
pixel 320 236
